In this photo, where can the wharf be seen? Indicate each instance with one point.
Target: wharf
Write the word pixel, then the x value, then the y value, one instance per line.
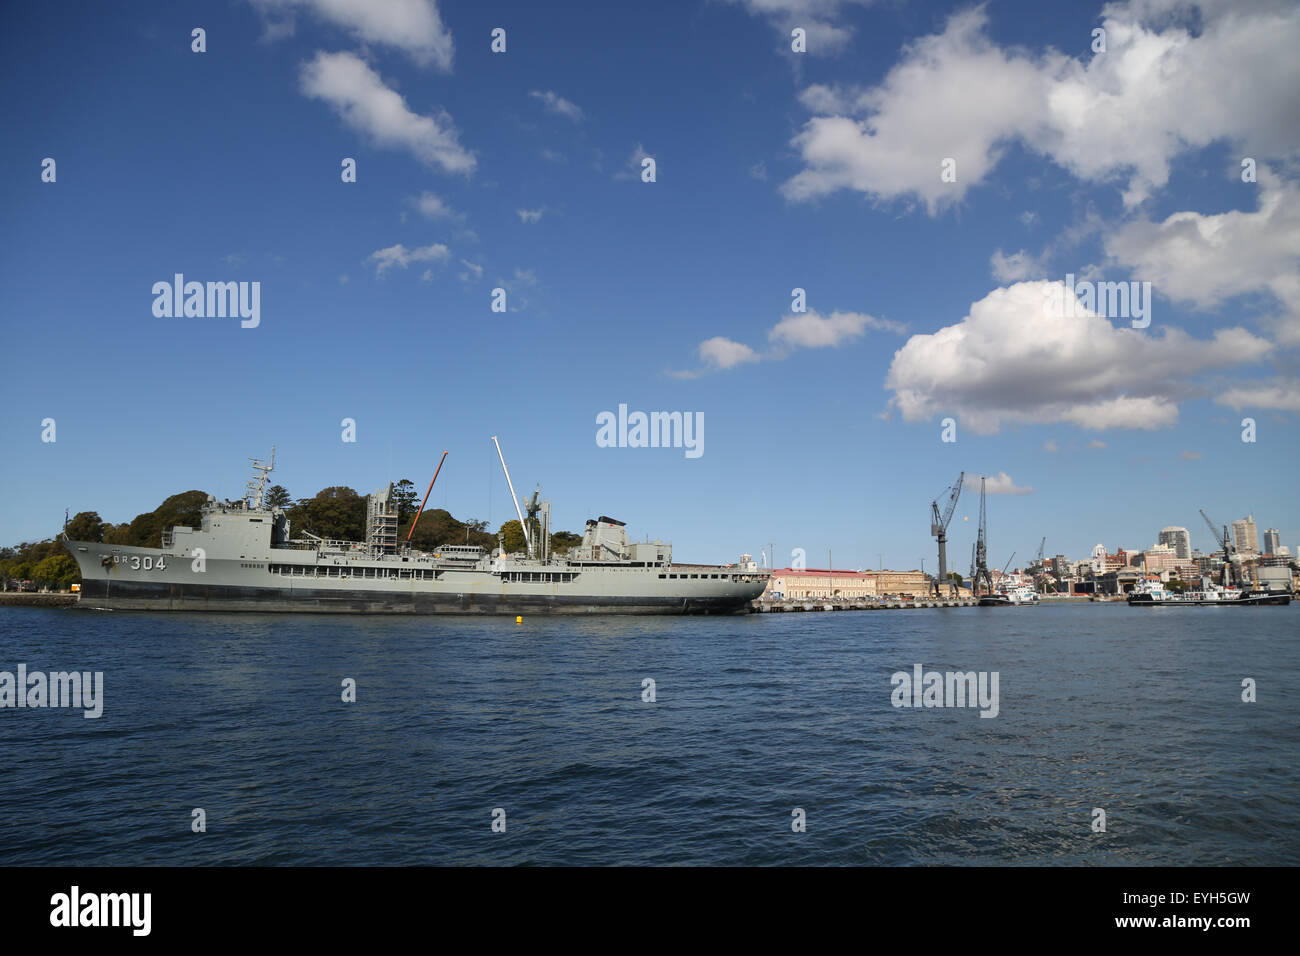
pixel 775 607
pixel 37 599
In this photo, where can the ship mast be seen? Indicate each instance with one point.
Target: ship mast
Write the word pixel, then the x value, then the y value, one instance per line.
pixel 528 541
pixel 256 485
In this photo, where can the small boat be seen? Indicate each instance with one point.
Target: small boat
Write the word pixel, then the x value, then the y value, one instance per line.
pixel 1153 593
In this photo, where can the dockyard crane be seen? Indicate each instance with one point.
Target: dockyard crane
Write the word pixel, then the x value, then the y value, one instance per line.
pixel 981 576
pixel 1008 564
pixel 939 528
pixel 1225 542
pixel 1042 571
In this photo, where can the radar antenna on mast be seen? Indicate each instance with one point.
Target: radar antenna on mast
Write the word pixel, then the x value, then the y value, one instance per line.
pixel 257 484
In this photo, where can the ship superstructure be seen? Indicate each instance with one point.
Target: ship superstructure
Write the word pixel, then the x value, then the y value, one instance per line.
pixel 243 556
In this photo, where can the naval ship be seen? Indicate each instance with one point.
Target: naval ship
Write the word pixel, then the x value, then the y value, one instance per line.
pixel 243 557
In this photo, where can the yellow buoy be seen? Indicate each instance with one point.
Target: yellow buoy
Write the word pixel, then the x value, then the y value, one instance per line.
pixel 519 620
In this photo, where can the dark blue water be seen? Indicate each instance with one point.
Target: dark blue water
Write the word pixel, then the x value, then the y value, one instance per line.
pixel 1136 711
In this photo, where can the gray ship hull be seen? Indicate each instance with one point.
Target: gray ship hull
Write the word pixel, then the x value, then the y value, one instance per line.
pixel 150 579
pixel 179 597
pixel 242 558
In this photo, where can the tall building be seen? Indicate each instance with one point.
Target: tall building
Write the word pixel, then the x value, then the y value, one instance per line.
pixel 1272 538
pixel 1178 539
pixel 1245 535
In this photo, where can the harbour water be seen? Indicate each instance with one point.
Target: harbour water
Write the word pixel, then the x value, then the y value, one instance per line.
pixel 1138 712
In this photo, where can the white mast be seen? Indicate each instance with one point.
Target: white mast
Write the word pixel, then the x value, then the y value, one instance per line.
pixel 527 540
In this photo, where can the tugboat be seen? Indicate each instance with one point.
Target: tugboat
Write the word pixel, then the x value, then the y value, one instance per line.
pixel 1151 592
pixel 244 558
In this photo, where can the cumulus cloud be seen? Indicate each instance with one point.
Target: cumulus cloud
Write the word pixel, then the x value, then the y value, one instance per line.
pixel 399 255
pixel 723 353
pixel 413 26
pixel 359 96
pixel 530 215
pixel 801 330
pixel 1204 260
pixel 810 330
pixel 1158 91
pixel 999 484
pixel 1279 394
pixel 1012 360
pixel 557 104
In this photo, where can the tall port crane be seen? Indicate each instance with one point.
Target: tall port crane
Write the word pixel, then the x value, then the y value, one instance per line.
pixel 939 528
pixel 1041 573
pixel 1226 544
pixel 1008 564
pixel 981 576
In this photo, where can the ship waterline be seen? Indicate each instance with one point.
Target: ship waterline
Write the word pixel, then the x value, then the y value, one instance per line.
pixel 242 558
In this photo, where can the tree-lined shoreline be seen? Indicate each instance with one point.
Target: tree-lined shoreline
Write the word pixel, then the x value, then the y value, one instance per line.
pixel 337 512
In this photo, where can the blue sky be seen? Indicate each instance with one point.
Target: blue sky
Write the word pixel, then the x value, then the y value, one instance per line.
pixel 775 170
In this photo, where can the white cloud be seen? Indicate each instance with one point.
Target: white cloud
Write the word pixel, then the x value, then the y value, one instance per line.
pixel 525 276
pixel 433 207
pixel 999 484
pixel 810 330
pixel 814 16
pixel 1204 260
pixel 557 104
pixel 1096 444
pixel 1017 266
pixel 413 26
pixel 1155 93
pixel 364 103
pixel 472 273
pixel 1051 446
pixel 1011 360
pixel 723 353
pixel 1280 394
pixel 530 215
pixel 399 255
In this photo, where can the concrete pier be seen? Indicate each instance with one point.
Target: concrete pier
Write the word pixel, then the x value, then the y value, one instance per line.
pixel 775 607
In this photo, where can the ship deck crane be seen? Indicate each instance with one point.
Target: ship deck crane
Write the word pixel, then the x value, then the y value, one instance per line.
pixel 1225 542
pixel 939 528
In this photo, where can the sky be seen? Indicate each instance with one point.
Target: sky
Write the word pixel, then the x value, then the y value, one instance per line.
pixel 928 174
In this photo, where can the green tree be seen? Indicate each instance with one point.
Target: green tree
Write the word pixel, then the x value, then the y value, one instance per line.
pixel 564 541
pixel 56 571
pixel 145 530
pixel 277 496
pixel 86 526
pixel 405 500
pixel 512 533
pixel 335 512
